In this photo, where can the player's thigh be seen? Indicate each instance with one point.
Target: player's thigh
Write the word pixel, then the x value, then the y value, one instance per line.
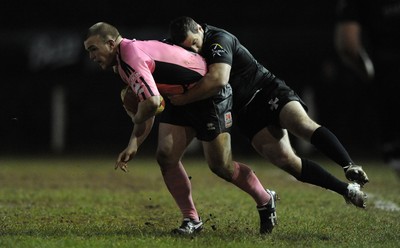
pixel 273 143
pixel 294 118
pixel 172 142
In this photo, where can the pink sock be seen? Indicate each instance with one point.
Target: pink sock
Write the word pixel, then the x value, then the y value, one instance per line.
pixel 178 184
pixel 244 178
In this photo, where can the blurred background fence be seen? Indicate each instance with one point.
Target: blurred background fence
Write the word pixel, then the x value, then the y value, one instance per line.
pixel 54 100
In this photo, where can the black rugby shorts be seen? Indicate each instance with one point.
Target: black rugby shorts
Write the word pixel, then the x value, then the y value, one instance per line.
pixel 208 117
pixel 264 109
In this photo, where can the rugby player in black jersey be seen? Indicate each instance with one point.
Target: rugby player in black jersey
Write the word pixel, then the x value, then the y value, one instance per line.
pixel 265 109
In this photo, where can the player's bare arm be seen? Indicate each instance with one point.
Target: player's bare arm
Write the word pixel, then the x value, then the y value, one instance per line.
pixel 140 130
pixel 147 109
pixel 215 79
pixel 134 143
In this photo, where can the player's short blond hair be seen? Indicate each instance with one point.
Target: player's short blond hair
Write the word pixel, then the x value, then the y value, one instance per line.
pixel 104 30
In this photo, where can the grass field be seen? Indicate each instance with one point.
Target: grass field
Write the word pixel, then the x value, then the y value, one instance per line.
pixel 74 202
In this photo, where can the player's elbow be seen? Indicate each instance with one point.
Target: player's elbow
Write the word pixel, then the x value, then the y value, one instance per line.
pixel 219 82
pixel 222 82
pixel 147 109
pixel 219 87
pixel 153 103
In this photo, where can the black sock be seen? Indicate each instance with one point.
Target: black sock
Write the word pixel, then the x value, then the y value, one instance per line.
pixel 314 174
pixel 326 142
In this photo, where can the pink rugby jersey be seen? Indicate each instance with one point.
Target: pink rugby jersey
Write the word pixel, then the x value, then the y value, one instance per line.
pixel 152 67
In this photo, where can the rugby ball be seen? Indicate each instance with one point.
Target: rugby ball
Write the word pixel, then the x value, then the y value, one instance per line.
pixel 129 100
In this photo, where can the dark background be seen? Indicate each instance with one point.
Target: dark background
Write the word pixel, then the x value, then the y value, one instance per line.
pixel 42 50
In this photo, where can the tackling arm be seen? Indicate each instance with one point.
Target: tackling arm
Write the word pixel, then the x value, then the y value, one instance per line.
pixel 215 79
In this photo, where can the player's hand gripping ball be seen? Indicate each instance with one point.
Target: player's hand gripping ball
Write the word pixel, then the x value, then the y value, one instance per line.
pixel 130 102
pixel 161 106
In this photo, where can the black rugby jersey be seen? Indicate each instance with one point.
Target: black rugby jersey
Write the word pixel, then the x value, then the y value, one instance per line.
pixel 247 75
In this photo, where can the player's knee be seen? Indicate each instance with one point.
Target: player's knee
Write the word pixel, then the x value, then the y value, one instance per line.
pixel 223 170
pixel 165 159
pixel 161 156
pixel 292 165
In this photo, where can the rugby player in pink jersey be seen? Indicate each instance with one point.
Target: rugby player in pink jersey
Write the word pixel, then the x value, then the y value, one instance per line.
pixel 152 68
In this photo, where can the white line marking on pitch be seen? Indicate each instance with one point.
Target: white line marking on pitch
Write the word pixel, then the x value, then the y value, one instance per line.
pixel 383 204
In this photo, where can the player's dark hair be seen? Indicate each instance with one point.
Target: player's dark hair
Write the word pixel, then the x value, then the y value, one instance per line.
pixel 104 30
pixel 179 27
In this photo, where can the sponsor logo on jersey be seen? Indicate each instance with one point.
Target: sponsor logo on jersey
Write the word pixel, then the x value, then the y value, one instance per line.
pixel 217 50
pixel 228 119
